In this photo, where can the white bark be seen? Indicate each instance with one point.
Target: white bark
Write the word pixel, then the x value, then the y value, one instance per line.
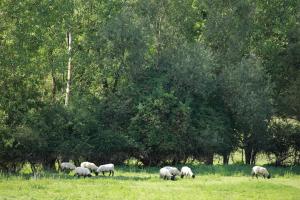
pixel 69 40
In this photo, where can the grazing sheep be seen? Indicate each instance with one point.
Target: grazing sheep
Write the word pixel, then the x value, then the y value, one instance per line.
pixel 90 166
pixel 257 170
pixel 64 166
pixel 186 171
pixel 173 170
pixel 106 168
pixel 166 174
pixel 81 171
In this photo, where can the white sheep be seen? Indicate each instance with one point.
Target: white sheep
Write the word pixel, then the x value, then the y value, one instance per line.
pixel 67 166
pixel 173 170
pixel 257 170
pixel 106 168
pixel 82 171
pixel 91 166
pixel 166 174
pixel 186 171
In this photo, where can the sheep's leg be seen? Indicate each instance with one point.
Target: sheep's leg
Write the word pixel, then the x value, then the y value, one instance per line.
pixel 256 176
pixel 113 173
pixel 109 172
pixel 103 173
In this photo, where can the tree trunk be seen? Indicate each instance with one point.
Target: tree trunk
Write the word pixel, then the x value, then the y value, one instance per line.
pixel 253 157
pixel 242 155
pixel 248 156
pixel 33 169
pixel 175 161
pixel 146 161
pixel 225 159
pixel 209 159
pixel 296 157
pixel 49 164
pixel 76 162
pixel 278 162
pixel 53 85
pixel 69 40
pixel 50 56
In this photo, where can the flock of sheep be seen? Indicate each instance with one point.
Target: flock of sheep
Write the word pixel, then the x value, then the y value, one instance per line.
pixel 166 173
pixel 170 173
pixel 86 168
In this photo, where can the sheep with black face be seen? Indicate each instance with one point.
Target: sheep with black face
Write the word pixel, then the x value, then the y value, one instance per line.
pixel 67 166
pixel 173 170
pixel 106 168
pixel 165 174
pixel 91 166
pixel 186 172
pixel 260 171
pixel 82 171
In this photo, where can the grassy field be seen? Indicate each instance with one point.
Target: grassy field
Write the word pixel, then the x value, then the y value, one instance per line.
pixel 211 182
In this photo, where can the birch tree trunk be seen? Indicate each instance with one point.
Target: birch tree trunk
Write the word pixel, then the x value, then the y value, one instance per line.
pixel 69 40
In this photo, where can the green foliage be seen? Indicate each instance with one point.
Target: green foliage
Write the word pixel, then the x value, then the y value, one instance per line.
pixel 161 81
pixel 248 96
pixel 283 140
pixel 160 128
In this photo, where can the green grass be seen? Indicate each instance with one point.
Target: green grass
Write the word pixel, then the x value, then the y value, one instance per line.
pixel 211 182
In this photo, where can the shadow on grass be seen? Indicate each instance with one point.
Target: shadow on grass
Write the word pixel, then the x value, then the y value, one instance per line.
pixel 58 176
pixel 125 178
pixel 136 169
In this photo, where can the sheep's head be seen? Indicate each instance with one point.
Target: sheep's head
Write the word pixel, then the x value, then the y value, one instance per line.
pixel 176 171
pixel 269 176
pixel 181 175
pixel 173 178
pixel 193 176
pixel 89 175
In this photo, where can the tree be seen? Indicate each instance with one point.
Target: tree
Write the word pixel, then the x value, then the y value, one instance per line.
pixel 159 129
pixel 248 96
pixel 282 135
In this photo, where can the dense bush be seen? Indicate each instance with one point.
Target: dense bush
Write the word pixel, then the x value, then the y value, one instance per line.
pixel 160 81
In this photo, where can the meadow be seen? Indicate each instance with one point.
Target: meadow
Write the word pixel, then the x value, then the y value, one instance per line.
pixel 211 182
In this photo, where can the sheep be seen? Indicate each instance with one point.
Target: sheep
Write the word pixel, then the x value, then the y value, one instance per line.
pixel 82 171
pixel 186 171
pixel 91 166
pixel 257 170
pixel 106 168
pixel 166 174
pixel 173 170
pixel 67 166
